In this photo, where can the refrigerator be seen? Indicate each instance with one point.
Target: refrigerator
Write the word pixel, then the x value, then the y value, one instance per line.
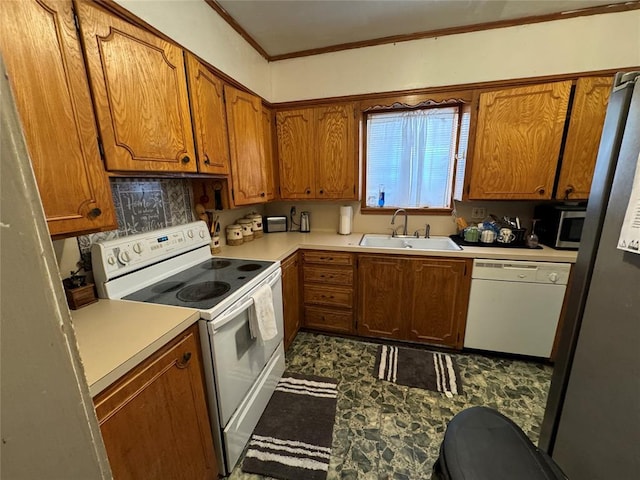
pixel 591 426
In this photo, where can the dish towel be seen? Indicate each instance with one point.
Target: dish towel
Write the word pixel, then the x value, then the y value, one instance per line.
pixel 262 317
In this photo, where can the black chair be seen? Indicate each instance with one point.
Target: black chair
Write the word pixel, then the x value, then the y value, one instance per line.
pixel 482 444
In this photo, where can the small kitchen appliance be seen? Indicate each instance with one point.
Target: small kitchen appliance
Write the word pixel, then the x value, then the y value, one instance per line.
pixel 174 267
pixel 305 222
pixel 271 224
pixel 560 226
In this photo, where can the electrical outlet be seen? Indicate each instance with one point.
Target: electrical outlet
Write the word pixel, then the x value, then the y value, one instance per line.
pixel 478 212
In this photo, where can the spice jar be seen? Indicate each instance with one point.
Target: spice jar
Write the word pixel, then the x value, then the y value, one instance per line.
pixel 247 229
pixel 256 226
pixel 234 235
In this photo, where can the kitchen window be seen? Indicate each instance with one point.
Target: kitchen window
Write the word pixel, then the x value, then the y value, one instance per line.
pixel 411 156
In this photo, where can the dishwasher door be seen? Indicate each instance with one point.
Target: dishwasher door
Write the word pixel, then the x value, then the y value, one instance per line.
pixel 514 307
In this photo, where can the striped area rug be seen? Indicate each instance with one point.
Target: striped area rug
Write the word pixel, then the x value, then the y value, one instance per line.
pixel 418 368
pixel 292 440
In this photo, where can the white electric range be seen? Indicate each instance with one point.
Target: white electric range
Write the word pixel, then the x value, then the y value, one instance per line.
pixel 174 266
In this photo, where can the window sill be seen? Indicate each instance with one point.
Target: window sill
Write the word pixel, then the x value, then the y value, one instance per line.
pixel 410 211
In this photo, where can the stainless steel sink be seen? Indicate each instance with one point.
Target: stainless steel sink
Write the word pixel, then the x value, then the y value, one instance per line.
pixel 387 241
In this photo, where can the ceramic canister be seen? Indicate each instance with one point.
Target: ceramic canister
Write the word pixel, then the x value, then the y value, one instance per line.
pixel 247 229
pixel 234 235
pixel 256 226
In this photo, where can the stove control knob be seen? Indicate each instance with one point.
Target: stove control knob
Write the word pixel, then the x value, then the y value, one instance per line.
pixel 201 233
pixel 124 257
pixel 190 233
pixel 137 247
pixel 553 277
pixel 111 260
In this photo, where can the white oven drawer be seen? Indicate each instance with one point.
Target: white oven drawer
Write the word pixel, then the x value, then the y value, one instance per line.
pixel 245 419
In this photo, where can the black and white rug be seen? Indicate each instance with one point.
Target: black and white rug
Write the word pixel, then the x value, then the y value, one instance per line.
pixel 292 440
pixel 418 368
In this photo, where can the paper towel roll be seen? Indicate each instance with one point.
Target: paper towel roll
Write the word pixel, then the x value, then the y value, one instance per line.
pixel 346 212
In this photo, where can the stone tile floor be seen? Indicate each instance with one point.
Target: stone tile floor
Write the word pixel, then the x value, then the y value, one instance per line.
pixel 387 431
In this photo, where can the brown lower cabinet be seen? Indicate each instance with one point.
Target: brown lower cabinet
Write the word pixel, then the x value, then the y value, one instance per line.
pixel 421 299
pixel 291 293
pixel 329 290
pixel 154 420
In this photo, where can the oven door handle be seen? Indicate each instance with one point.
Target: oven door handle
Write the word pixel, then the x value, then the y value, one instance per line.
pixel 233 311
pixel 220 321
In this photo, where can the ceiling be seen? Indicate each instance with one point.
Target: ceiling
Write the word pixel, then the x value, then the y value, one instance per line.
pixel 283 28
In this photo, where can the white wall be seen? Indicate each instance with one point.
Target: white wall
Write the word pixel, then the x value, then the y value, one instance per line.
pixel 198 28
pixel 579 44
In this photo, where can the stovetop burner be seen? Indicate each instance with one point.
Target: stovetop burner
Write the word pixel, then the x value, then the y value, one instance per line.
pixel 249 267
pixel 203 291
pixel 215 264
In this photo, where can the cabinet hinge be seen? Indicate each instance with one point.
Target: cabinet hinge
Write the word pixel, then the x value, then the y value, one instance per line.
pixel 101 148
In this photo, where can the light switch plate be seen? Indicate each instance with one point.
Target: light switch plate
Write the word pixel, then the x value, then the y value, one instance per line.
pixel 478 212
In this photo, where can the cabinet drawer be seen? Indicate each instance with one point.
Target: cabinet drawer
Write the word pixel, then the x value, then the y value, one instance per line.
pixel 332 296
pixel 330 320
pixel 333 276
pixel 333 258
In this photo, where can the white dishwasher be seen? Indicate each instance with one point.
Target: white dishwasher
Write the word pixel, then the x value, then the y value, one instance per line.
pixel 514 306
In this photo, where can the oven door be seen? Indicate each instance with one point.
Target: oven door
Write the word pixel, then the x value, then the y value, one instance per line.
pixel 239 359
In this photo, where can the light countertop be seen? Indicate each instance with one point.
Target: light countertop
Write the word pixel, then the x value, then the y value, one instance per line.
pixel 116 335
pixel 278 246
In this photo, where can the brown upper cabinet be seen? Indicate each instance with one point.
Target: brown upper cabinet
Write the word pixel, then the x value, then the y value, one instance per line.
pixel 317 152
pixel 517 143
pixel 140 95
pixel 246 146
pixel 583 137
pixel 271 167
pixel 49 83
pixel 206 92
pixel 519 138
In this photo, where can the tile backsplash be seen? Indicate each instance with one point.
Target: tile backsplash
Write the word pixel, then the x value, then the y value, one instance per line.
pixel 143 205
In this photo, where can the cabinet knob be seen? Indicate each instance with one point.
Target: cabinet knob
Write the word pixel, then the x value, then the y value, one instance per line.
pixel 308 191
pixel 321 192
pixel 94 213
pixel 262 194
pixel 568 191
pixel 182 363
pixel 206 159
pixel 186 159
pixel 541 191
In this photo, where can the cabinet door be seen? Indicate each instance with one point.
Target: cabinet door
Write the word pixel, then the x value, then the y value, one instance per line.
pixel 438 301
pixel 517 143
pixel 154 421
pixel 583 137
pixel 57 116
pixel 296 154
pixel 271 168
pixel 140 95
pixel 209 118
pixel 382 294
pixel 291 298
pixel 244 117
pixel 336 161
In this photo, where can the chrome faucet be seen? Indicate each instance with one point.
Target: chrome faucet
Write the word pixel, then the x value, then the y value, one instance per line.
pixel 393 220
pixel 427 231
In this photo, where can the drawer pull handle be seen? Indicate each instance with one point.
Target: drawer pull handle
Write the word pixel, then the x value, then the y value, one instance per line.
pixel 185 360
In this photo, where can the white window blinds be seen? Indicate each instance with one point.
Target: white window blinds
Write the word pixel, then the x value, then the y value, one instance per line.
pixel 412 154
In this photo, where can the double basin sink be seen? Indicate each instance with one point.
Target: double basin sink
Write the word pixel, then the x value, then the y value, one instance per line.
pixel 387 241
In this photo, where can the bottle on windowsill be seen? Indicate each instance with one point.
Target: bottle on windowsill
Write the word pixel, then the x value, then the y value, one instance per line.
pixel 381 196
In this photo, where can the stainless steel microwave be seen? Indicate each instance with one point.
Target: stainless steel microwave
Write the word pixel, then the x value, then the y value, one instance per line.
pixel 560 226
